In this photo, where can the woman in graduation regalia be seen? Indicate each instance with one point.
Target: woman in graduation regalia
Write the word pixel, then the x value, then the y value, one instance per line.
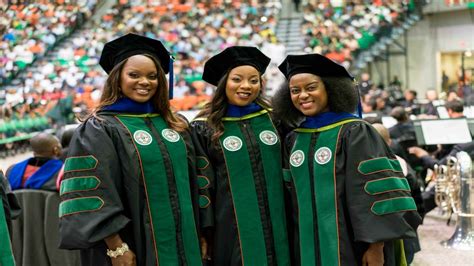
pixel 351 203
pixel 129 178
pixel 239 165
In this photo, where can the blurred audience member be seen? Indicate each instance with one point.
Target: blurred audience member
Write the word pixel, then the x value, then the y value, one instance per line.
pixel 65 140
pixel 410 101
pixel 404 126
pixel 40 171
pixel 455 108
pixel 365 83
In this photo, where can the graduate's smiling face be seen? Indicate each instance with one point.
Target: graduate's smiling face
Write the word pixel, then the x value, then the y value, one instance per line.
pixel 308 94
pixel 139 78
pixel 243 85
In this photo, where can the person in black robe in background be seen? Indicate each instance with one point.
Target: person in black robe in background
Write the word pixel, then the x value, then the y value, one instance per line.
pixel 9 209
pixel 66 137
pixel 351 202
pixel 404 128
pixel 41 170
pixel 239 165
pixel 129 184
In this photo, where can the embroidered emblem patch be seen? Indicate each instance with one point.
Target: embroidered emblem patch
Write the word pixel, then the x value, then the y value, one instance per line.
pixel 268 137
pixel 297 158
pixel 232 143
pixel 170 135
pixel 142 137
pixel 323 155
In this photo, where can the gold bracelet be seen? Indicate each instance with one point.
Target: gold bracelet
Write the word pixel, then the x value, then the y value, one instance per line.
pixel 118 252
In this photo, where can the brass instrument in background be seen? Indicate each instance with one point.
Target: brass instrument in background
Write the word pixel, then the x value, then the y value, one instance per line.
pixel 454 188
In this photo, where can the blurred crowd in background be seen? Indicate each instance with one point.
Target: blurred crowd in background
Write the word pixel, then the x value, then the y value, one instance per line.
pixel 49 73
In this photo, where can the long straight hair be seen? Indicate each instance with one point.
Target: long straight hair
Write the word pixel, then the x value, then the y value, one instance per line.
pixel 112 92
pixel 216 109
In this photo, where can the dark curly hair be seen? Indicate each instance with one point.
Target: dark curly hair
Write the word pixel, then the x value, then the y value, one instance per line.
pixel 342 94
pixel 283 108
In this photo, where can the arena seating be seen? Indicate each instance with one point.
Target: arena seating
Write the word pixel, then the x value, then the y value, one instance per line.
pixel 29 31
pixel 192 33
pixel 343 32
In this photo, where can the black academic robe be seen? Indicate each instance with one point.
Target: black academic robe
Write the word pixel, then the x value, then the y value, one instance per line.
pixel 242 206
pixel 10 209
pixel 131 175
pixel 403 131
pixel 348 190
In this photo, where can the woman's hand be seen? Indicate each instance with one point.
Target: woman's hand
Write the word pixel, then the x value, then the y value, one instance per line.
pixel 374 255
pixel 204 249
pixel 204 254
pixel 127 259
